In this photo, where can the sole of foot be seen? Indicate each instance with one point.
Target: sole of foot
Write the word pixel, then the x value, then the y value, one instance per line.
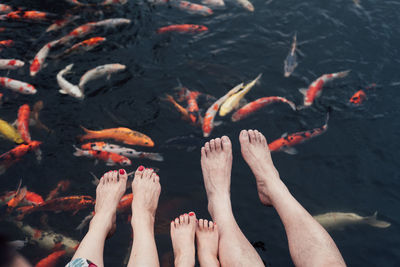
pixel 182 235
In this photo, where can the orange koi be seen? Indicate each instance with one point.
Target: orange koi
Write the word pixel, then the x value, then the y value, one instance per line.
pixel 51 260
pixel 27 15
pixel 78 32
pixel 315 89
pixel 23 122
pixel 193 107
pixel 35 115
pixel 15 154
pixel 110 158
pixel 254 106
pixel 183 28
pixel 125 203
pixel 181 110
pixel 32 198
pixel 17 199
pixel 359 97
pixel 86 45
pixel 61 186
pixel 122 134
pixel 286 142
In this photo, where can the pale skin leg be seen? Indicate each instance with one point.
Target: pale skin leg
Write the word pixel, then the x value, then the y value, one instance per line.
pixel 109 191
pixel 146 189
pixel 216 164
pixel 182 236
pixel 309 243
pixel 207 243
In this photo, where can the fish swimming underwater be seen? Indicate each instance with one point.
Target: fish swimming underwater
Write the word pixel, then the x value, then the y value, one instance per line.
pixel 121 134
pixel 189 7
pixel 23 122
pixel 40 58
pixel 83 46
pixel 286 142
pixel 315 89
pixel 5 8
pixel 5 44
pixel 339 220
pixel 100 71
pixel 291 59
pixel 67 87
pixel 183 28
pixel 15 154
pixel 110 158
pixel 61 186
pixel 256 105
pixel 52 259
pixel 181 110
pixel 17 86
pixel 37 107
pixel 233 101
pixel 9 132
pixel 246 4
pixel 360 96
pixel 28 15
pixel 11 64
pixel 208 121
pixel 213 3
pixel 61 23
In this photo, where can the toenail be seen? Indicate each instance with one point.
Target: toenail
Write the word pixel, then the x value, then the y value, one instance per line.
pixel 121 171
pixel 191 213
pixel 141 168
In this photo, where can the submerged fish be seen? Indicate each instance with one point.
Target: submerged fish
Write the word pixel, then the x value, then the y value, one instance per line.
pixel 123 151
pixel 115 22
pixel 213 3
pixel 59 24
pixel 30 198
pixel 61 186
pixel 339 220
pixel 6 43
pixel 183 28
pixel 38 61
pixel 52 259
pixel 122 134
pixel 190 8
pixel 67 87
pixel 208 121
pixel 100 71
pixel 233 101
pixel 110 158
pixel 17 86
pixel 23 122
pixel 181 110
pixel 254 106
pixel 358 98
pixel 286 142
pixel 246 4
pixel 15 154
pixel 291 59
pixel 78 32
pixel 315 89
pixel 9 132
pixel 5 8
pixel 35 115
pixel 11 64
pixel 28 15
pixel 84 46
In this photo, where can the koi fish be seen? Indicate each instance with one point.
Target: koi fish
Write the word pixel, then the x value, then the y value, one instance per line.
pixel 246 4
pixel 191 8
pixel 291 59
pixel 17 199
pixel 233 101
pixel 69 203
pixel 61 186
pixel 29 199
pixel 339 220
pixel 359 97
pixel 10 133
pixel 67 87
pixel 182 110
pixel 254 106
pixel 213 3
pixel 5 8
pixel 315 89
pixel 193 107
pixel 28 15
pixel 115 22
pixel 123 151
pixel 23 122
pixel 208 121
pixel 85 46
pixel 104 3
pixel 35 115
pixel 78 32
pixel 286 142
pixel 183 28
pixel 121 134
pixel 39 59
pixel 51 260
pixel 15 154
pixel 59 24
pixel 11 64
pixel 99 71
pixel 110 158
pixel 17 86
pixel 6 44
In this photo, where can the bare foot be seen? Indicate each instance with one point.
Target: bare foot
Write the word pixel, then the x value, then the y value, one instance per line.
pixel 207 243
pixel 146 190
pixel 256 153
pixel 109 192
pixel 216 164
pixel 182 235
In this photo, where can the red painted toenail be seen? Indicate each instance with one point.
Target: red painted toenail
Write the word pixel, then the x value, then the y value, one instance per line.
pixel 191 213
pixel 141 168
pixel 121 171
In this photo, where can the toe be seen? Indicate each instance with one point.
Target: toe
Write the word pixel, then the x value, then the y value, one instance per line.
pixel 244 137
pixel 153 176
pixel 218 147
pixel 258 136
pixel 203 152
pixel 252 136
pixel 147 173
pixel 226 143
pixel 123 176
pixel 107 177
pixel 207 147
pixel 201 224
pixel 139 172
pixel 176 222
pixel 157 179
pixel 181 219
pixel 212 145
pixel 186 218
pixel 210 225
pixel 172 225
pixel 205 226
pixel 192 217
pixel 114 177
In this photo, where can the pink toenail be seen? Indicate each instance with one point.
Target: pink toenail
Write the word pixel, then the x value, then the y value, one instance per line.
pixel 141 168
pixel 191 213
pixel 121 171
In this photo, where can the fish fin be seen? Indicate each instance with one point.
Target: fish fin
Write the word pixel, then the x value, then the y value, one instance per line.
pixel 85 221
pixel 371 220
pixel 61 91
pixel 292 105
pixel 290 150
pixel 78 152
pixel 15 124
pixel 153 156
pixel 343 74
pixel 17 244
pixel 284 135
pixel 95 180
pixel 303 91
pixel 217 123
pixel 258 81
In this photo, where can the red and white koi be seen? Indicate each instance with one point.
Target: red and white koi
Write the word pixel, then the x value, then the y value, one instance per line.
pixel 85 46
pixel 17 86
pixel 246 4
pixel 11 64
pixel 315 89
pixel 100 71
pixel 213 3
pixel 254 106
pixel 67 87
pixel 23 122
pixel 110 158
pixel 78 32
pixel 191 8
pixel 104 3
pixel 123 151
pixel 286 142
pixel 28 15
pixel 38 61
pixel 59 24
pixel 5 8
pixel 208 121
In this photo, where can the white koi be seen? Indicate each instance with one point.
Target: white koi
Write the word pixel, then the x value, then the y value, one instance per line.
pixel 213 3
pixel 112 22
pixel 246 4
pixel 67 87
pixel 11 64
pixel 99 71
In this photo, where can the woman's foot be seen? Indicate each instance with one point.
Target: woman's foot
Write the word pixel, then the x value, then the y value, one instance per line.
pixel 182 235
pixel 216 164
pixel 256 153
pixel 109 192
pixel 207 243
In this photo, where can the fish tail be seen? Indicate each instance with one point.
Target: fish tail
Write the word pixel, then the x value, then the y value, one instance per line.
pixel 85 136
pixel 373 221
pixel 153 156
pixel 79 152
pixel 292 105
pixel 85 221
pixel 95 180
pixel 343 74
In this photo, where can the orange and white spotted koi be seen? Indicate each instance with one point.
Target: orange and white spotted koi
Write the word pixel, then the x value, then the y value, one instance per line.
pixel 11 64
pixel 254 106
pixel 23 122
pixel 85 45
pixel 208 121
pixel 5 8
pixel 28 15
pixel 315 89
pixel 38 61
pixel 110 158
pixel 286 142
pixel 59 24
pixel 246 4
pixel 17 86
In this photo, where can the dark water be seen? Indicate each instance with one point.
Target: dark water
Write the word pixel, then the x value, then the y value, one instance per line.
pixel 351 168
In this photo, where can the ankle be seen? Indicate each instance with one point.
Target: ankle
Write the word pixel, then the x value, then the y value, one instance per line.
pixel 142 220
